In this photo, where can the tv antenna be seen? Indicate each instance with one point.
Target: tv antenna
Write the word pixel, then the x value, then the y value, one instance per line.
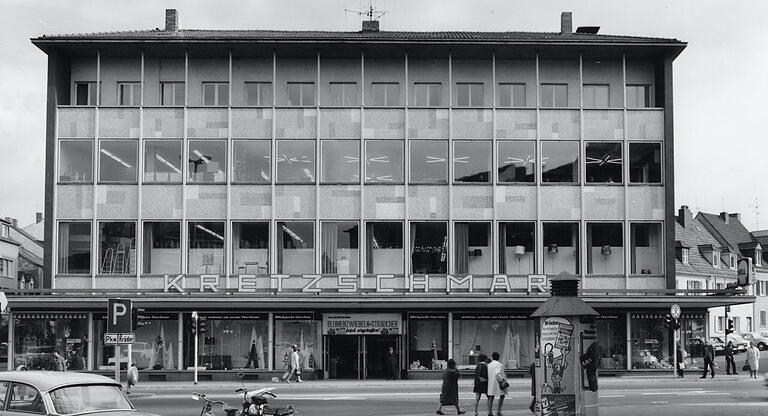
pixel 371 13
pixel 757 214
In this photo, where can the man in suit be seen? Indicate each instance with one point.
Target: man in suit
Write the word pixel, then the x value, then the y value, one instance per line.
pixel 709 359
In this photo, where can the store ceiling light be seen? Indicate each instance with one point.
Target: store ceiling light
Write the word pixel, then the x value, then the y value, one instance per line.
pixel 202 228
pixel 115 158
pixel 167 163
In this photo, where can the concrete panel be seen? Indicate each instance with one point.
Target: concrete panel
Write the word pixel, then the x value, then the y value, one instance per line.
pixel 606 72
pixel 384 202
pixel 515 202
pixel 516 124
pixel 249 70
pixel 472 124
pixel 251 202
pixel 472 203
pixel 562 72
pixel 642 72
pixel 119 122
pixel 294 70
pixel 519 72
pixel 475 71
pixel 604 124
pixel 204 70
pixel 114 70
pixel 428 70
pixel 294 201
pixel 427 124
pixel 296 123
pixel 560 203
pixel 76 122
pixel 157 71
pixel 207 123
pixel 604 202
pixel 339 202
pixel 117 201
pixel 604 282
pixel 384 124
pixel 560 124
pixel 116 282
pixel 645 124
pixel 339 70
pixel 161 202
pixel 340 123
pixel 427 202
pixel 163 123
pixel 81 70
pixel 647 282
pixel 646 202
pixel 73 282
pixel 152 282
pixel 74 202
pixel 384 70
pixel 206 201
pixel 252 122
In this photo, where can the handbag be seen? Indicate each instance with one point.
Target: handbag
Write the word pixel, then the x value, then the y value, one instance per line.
pixel 503 383
pixel 746 366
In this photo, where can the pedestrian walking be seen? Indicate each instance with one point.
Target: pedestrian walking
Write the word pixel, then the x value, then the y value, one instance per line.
pixel 480 383
pixel 532 372
pixel 709 359
pixel 449 394
pixel 753 360
pixel 294 366
pixel 133 377
pixel 729 362
pixel 680 362
pixel 495 376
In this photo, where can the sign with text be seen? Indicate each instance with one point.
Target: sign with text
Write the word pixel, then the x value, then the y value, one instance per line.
pixel 119 316
pixel 119 339
pixel 362 324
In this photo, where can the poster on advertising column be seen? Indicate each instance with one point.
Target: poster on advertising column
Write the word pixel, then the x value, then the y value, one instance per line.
pixel 558 392
pixel 362 324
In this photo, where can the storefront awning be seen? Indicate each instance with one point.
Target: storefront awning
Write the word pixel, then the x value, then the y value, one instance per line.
pixel 45 315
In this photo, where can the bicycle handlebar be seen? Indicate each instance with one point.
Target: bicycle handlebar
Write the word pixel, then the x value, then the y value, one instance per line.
pixel 207 400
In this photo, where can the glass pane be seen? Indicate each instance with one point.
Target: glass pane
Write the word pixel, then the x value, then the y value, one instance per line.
pixel 74 248
pixel 547 95
pixel 76 161
pixel 428 161
pixel 251 161
pixel 206 248
pixel 258 93
pixel 302 333
pixel 384 248
pixel 162 161
pixel 420 94
pixel 475 339
pixel 294 93
pixel 517 251
pixel 82 93
pixel 223 98
pixel 393 94
pixel 45 340
pixel 162 247
pixel 560 162
pixel 472 162
pixel 207 161
pixel 596 96
pixel 336 93
pixel 645 162
pixel 340 247
pixel 462 95
pixel 561 248
pixel 308 94
pixel 645 249
pixel 209 94
pixel 295 161
pixel 136 92
pixel 473 248
pixel 604 163
pixel 167 93
pixel 117 248
pixel 178 93
pixel 517 161
pixel 250 248
pixel 561 95
pixel 518 95
pixel 428 340
pixel 477 98
pixel 429 249
pixel 295 247
pixel 606 248
pixel 117 161
pixel 340 161
pixel 435 95
pixel 504 92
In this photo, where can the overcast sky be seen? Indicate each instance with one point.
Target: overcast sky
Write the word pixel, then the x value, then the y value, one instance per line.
pixel 720 142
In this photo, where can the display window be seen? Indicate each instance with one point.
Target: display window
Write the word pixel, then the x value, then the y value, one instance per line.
pixel 157 343
pixel 230 340
pixel 512 336
pixel 50 342
pixel 650 343
pixel 612 339
pixel 302 330
pixel 427 341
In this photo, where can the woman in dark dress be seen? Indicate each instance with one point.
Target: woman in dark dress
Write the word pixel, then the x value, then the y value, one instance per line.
pixel 449 396
pixel 480 386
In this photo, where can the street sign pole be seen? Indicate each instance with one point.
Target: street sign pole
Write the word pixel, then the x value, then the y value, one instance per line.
pixel 117 363
pixel 675 312
pixel 194 318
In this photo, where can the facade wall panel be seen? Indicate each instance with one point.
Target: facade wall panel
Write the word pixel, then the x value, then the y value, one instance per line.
pixel 117 201
pixel 74 201
pixel 161 202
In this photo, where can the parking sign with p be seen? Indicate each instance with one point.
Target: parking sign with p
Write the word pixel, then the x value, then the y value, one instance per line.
pixel 119 316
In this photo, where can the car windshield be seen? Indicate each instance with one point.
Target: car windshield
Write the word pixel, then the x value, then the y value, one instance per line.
pixel 73 400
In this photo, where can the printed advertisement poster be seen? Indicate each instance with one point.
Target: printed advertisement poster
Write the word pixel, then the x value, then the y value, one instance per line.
pixel 362 324
pixel 558 357
pixel 558 404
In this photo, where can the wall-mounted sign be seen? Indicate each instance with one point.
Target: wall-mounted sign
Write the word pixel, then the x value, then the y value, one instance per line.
pixel 362 324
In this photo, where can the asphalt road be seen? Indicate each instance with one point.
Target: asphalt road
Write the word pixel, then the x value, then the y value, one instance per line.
pixel 723 395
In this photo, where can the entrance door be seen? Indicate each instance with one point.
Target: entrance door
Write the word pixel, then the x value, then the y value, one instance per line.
pixel 376 361
pixel 343 356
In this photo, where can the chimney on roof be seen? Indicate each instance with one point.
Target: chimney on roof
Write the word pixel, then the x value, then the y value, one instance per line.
pixel 735 215
pixel 38 217
pixel 370 26
pixel 724 217
pixel 171 20
pixel 684 216
pixel 566 23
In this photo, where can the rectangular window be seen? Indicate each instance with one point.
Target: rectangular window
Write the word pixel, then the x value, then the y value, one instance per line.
pixel 763 318
pixel 6 268
pixel 343 93
pixel 554 95
pixel 473 248
pixel 301 93
pixel 172 93
pixel 340 161
pixel 596 96
pixel 516 161
pixel 716 259
pixel 517 249
pixel 300 326
pixel 472 162
pixel 605 242
pixel 560 162
pixel 385 94
pixel 645 248
pixel 511 95
pixel 117 160
pixel 117 248
pixel 737 323
pixel 645 163
pixel 561 248
pixel 4 230
pixel 295 247
pixel 685 256
pixel 427 94
pixel 252 161
pixel 296 161
pixel 429 247
pixel 482 332
pixel 384 161
pixel 603 162
pixel 258 94
pixel 162 161
pixel 384 248
pixel 340 242
pixel 215 93
pixel 638 96
pixel 429 161
pixel 129 93
pixel 206 247
pixel 427 337
pixel 469 94
pixel 719 324
pixel 76 161
pixel 162 248
pixel 749 324
pixel 74 248
pixel 250 248
pixel 207 161
pixel 85 93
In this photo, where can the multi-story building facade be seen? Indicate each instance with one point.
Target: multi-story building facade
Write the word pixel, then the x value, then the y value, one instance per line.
pixel 352 191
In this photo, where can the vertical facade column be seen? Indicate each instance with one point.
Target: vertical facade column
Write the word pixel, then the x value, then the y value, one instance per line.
pixel 318 241
pixel 271 340
pixel 185 168
pixel 180 343
pixel 139 241
pixel 449 224
pixel 228 248
pixel 362 233
pixel 95 169
pixel 450 334
pixel 582 181
pixel 539 225
pixel 273 175
pixel 494 177
pixel 407 166
pixel 625 172
pixel 669 175
pixel 12 339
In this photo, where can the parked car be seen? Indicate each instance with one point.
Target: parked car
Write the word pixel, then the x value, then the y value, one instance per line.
pixel 739 343
pixel 63 393
pixel 760 342
pixel 719 345
pixel 36 358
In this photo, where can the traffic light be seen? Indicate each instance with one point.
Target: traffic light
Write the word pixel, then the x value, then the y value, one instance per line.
pixel 668 321
pixel 193 326
pixel 135 317
pixel 729 327
pixel 676 324
pixel 202 325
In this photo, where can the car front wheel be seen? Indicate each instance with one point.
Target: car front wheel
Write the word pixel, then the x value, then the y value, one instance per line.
pixel 761 346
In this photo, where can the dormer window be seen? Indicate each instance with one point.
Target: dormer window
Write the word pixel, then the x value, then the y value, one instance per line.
pixel 685 256
pixel 716 259
pixel 732 260
pixel 758 257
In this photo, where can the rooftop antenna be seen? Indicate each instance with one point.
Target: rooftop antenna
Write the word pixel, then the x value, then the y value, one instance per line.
pixel 371 13
pixel 757 214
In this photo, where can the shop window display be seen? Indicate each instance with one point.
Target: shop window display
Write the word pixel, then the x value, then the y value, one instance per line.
pixel 74 248
pixel 428 341
pixel 605 245
pixel 162 250
pixel 650 346
pixel 475 334
pixel 295 247
pixel 340 247
pixel 156 347
pixel 517 248
pixel 206 247
pixel 561 248
pixel 612 339
pixel 302 330
pixel 250 248
pixel 117 248
pixel 50 342
pixel 473 248
pixel 232 340
pixel 645 248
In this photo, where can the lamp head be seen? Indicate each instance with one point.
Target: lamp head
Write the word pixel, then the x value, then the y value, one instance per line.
pixel 552 249
pixel 605 250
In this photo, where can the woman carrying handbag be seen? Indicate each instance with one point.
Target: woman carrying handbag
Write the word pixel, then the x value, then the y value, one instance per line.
pixel 753 359
pixel 497 383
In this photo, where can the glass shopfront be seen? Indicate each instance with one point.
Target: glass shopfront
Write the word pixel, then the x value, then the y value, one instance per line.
pixel 156 348
pixel 650 343
pixel 427 340
pixel 511 335
pixel 612 339
pixel 301 329
pixel 50 341
pixel 232 340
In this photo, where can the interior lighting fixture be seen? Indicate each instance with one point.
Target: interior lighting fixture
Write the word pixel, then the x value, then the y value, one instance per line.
pixel 115 158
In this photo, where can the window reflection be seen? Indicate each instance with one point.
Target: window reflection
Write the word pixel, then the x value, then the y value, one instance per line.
pixel 429 247
pixel 296 161
pixel 560 162
pixel 428 161
pixel 74 248
pixel 76 161
pixel 384 247
pixel 340 161
pixel 251 161
pixel 517 161
pixel 604 162
pixel 384 161
pixel 645 162
pixel 117 160
pixel 472 162
pixel 207 161
pixel 162 161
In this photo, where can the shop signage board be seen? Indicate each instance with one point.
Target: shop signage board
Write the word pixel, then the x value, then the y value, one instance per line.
pixel 362 324
pixel 119 339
